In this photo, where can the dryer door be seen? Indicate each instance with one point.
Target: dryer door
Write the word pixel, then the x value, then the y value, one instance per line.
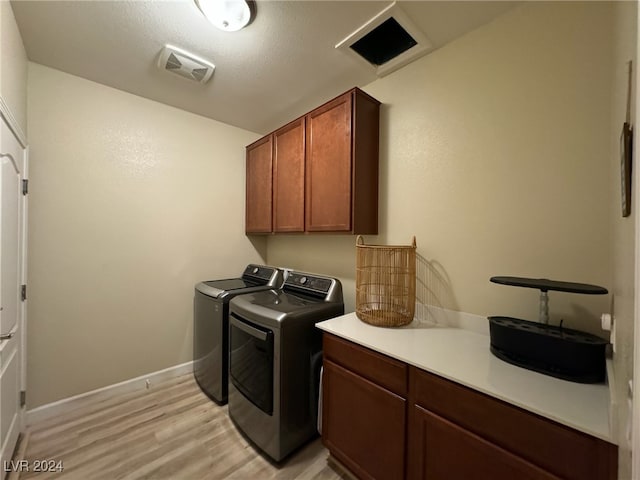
pixel 251 361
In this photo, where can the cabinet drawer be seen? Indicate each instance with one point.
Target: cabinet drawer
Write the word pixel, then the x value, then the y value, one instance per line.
pixel 558 449
pixel 385 371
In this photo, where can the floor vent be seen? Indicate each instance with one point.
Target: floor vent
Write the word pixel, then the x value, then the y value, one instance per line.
pixel 387 42
pixel 185 64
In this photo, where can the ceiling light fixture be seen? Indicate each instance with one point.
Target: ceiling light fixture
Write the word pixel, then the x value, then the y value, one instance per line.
pixel 227 15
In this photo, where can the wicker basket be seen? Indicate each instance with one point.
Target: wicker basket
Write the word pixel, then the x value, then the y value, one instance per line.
pixel 385 283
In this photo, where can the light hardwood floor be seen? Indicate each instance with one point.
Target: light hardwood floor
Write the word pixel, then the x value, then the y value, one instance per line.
pixel 171 431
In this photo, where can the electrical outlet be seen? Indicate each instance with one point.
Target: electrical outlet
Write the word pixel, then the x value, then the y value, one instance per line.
pixel 609 324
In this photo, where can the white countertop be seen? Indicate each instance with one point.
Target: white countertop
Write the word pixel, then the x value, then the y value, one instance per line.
pixel 464 357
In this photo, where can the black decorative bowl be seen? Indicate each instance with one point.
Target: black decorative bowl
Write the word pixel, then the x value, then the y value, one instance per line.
pixel 559 352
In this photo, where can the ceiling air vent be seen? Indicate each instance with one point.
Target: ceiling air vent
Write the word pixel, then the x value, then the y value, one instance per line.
pixel 185 64
pixel 387 42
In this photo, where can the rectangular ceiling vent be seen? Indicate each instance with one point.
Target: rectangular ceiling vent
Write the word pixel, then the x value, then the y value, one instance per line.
pixel 185 64
pixel 388 41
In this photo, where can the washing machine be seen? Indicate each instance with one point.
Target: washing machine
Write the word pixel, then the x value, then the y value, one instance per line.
pixel 275 358
pixel 211 324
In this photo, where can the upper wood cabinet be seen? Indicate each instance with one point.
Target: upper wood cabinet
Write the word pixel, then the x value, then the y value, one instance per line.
pixel 342 165
pixel 324 171
pixel 288 178
pixel 259 186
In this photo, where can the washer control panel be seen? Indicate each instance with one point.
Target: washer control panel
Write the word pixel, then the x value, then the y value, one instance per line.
pixel 263 273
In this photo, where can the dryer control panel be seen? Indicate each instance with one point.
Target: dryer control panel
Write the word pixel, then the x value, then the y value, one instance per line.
pixel 323 288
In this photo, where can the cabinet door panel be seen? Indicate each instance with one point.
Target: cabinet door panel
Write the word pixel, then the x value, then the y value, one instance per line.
pixel 363 425
pixel 328 170
pixel 447 451
pixel 259 182
pixel 556 448
pixel 288 178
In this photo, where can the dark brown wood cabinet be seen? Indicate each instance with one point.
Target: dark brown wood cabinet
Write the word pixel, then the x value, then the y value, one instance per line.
pixel 368 443
pixel 288 177
pixel 342 165
pixel 259 186
pixel 324 170
pixel 364 396
pixel 446 450
pixel 450 431
pixel 557 449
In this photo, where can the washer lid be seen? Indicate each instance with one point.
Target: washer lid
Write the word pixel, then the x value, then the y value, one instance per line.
pixel 215 288
pixel 254 278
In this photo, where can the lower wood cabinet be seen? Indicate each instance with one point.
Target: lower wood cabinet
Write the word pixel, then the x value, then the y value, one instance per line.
pixel 368 443
pixel 443 450
pixel 384 419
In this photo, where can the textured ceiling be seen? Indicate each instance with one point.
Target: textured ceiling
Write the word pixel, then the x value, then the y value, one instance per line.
pixel 280 66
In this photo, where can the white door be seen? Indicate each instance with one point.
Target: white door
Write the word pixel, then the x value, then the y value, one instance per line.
pixel 12 165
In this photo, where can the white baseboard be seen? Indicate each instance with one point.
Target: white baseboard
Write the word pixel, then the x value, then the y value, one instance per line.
pixel 53 409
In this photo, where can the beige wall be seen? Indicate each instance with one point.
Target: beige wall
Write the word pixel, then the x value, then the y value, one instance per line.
pixel 495 153
pixel 623 229
pixel 132 202
pixel 13 67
